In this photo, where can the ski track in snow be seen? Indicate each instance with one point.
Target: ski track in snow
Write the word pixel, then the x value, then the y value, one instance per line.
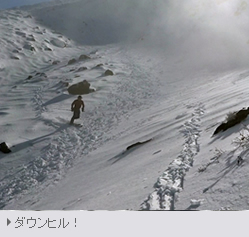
pixel 170 184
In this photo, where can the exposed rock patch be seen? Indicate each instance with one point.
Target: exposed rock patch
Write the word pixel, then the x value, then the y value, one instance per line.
pixel 84 57
pixel 4 148
pixel 80 88
pixel 109 72
pixel 232 120
pixel 72 61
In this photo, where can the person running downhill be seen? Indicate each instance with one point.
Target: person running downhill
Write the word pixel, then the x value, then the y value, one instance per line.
pixel 75 107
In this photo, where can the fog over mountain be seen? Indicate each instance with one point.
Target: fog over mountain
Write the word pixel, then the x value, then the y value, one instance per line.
pixel 204 33
pixel 6 4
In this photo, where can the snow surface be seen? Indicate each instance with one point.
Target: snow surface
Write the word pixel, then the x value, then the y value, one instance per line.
pixel 176 77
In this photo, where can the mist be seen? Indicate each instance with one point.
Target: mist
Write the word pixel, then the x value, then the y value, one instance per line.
pixel 5 4
pixel 212 34
pixel 208 33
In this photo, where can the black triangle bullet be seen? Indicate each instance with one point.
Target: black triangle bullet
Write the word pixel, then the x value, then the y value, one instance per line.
pixel 8 221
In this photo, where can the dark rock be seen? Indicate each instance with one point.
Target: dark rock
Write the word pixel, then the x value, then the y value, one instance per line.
pixel 48 49
pixel 233 120
pixel 82 69
pixel 72 61
pixel 137 144
pixel 80 88
pixel 84 57
pixel 15 51
pixel 239 160
pixel 41 74
pixel 29 47
pixel 108 72
pixel 4 148
pixel 98 66
pixel 14 57
pixel 55 62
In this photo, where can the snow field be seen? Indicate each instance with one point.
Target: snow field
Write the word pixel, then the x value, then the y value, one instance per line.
pixel 152 96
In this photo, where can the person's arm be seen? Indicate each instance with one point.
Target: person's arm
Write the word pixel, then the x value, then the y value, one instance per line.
pixel 72 106
pixel 83 106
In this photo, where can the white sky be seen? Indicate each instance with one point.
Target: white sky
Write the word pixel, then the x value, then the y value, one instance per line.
pixel 4 4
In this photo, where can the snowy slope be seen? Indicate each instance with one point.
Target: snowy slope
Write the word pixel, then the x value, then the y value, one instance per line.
pixel 167 92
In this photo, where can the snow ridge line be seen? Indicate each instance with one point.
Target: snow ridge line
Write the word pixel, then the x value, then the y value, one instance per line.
pixel 171 182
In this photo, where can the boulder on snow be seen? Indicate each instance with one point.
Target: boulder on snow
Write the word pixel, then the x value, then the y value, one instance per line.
pixel 98 66
pixel 47 49
pixel 84 57
pixel 81 69
pixel 138 144
pixel 233 119
pixel 15 51
pixel 4 148
pixel 109 72
pixel 14 57
pixel 80 88
pixel 55 62
pixel 72 61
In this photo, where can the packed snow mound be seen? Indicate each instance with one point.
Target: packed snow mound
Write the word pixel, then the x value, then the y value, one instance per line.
pixel 58 43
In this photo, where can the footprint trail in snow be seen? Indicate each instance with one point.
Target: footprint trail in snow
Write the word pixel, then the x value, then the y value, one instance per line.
pixel 170 184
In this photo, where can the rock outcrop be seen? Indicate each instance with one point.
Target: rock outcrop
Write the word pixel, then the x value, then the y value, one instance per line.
pixel 4 148
pixel 80 88
pixel 234 119
pixel 109 72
